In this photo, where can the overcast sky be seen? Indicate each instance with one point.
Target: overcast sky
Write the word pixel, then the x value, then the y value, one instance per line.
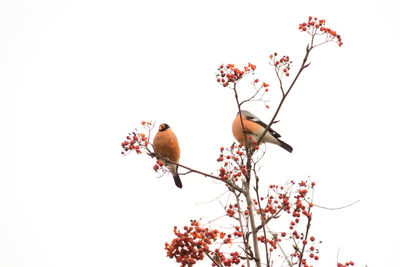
pixel 77 76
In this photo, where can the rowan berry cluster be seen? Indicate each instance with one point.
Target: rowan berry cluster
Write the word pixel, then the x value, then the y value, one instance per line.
pixel 194 243
pixel 264 84
pixel 229 74
pixel 282 64
pixel 136 141
pixel 221 259
pixel 232 163
pixel 159 164
pixel 314 26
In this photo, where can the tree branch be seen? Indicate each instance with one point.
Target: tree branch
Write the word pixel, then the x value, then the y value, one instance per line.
pixel 230 183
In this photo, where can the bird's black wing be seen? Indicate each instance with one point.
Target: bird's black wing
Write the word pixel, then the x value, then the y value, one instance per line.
pixel 254 118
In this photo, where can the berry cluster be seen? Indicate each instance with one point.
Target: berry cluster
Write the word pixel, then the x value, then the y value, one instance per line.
pixel 135 141
pixel 271 242
pixel 194 243
pixel 232 163
pixel 315 26
pixel 220 258
pixel 229 74
pixel 264 84
pixel 282 64
pixel 159 164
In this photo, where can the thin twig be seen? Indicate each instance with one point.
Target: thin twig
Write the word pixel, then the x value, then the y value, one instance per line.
pixel 322 207
pixel 207 202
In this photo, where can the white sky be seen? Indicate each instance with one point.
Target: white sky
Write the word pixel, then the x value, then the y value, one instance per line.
pixel 77 76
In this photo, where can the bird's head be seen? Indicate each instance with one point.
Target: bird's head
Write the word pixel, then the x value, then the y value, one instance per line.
pixel 163 127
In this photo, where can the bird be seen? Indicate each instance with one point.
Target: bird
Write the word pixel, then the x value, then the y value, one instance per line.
pixel 254 127
pixel 166 145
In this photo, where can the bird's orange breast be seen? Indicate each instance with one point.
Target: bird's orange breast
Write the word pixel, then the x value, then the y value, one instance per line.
pixel 250 127
pixel 166 144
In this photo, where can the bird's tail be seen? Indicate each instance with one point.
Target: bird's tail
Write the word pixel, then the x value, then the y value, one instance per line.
pixel 285 146
pixel 177 180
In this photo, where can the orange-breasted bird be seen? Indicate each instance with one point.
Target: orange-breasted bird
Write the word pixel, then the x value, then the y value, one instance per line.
pixel 166 144
pixel 254 127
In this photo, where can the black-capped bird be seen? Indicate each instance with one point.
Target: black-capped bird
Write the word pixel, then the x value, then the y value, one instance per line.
pixel 254 127
pixel 166 144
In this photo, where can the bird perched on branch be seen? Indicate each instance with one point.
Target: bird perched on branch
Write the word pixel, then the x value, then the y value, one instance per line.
pixel 254 127
pixel 166 145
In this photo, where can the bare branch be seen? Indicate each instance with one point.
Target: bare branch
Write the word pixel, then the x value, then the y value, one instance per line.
pixel 322 207
pixel 230 183
pixel 245 241
pixel 207 202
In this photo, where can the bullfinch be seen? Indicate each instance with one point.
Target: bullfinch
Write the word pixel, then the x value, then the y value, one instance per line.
pixel 166 144
pixel 254 127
